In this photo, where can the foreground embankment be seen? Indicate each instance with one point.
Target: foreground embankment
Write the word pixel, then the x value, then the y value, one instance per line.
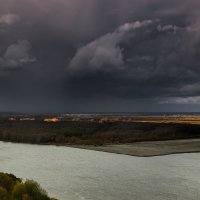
pixel 13 188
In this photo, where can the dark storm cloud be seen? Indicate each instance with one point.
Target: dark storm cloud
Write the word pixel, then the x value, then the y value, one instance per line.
pixel 92 52
pixel 153 57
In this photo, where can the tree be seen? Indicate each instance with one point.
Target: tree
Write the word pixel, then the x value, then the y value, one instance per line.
pixel 29 190
pixel 4 194
pixel 8 181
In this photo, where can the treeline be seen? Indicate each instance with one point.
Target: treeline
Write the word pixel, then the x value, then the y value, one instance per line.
pixel 93 133
pixel 12 188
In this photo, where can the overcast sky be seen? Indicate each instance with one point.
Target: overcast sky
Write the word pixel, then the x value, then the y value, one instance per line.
pixel 99 55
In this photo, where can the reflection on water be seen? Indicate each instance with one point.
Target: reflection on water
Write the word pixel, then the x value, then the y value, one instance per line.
pixel 76 174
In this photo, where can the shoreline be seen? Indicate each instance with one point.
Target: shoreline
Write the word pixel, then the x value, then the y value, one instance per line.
pixel 137 149
pixel 147 149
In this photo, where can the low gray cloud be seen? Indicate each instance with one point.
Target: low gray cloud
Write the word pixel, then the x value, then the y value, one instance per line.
pixel 105 52
pixel 8 19
pixel 181 100
pixel 17 55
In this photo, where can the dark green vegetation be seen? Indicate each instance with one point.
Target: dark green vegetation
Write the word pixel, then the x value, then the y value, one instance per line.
pixel 94 133
pixel 12 188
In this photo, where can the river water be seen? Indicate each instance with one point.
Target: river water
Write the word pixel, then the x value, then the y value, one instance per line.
pixel 77 174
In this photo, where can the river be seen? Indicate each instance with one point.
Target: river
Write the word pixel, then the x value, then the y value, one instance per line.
pixel 77 174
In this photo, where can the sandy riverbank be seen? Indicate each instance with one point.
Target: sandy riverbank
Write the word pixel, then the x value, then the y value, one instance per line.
pixel 147 149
